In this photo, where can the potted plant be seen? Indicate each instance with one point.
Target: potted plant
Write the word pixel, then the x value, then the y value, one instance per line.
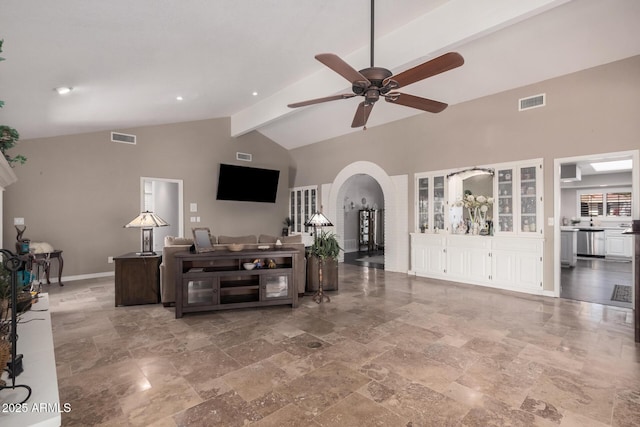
pixel 326 247
pixel 9 137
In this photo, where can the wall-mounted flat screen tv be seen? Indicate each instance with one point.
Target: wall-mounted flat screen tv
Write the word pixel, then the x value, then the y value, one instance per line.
pixel 247 184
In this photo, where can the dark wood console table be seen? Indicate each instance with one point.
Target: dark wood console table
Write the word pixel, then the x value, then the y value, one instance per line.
pixel 137 279
pixel 218 280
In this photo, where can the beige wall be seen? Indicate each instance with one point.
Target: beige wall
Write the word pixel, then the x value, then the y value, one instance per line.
pixel 594 111
pixel 76 192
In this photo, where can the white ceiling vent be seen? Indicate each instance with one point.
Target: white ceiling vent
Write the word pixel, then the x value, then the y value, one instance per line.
pixel 123 138
pixel 245 157
pixel 532 102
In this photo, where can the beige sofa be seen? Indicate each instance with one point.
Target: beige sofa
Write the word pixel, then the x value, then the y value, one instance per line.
pixel 173 245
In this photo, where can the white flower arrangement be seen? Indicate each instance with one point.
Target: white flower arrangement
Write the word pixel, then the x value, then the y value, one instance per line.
pixel 477 206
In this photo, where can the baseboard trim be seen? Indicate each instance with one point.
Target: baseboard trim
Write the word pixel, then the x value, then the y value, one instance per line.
pixel 83 277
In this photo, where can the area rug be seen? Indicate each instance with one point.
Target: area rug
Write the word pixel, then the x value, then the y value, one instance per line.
pixel 378 259
pixel 621 293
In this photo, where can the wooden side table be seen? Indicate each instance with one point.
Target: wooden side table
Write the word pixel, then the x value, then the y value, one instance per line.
pixel 137 279
pixel 45 258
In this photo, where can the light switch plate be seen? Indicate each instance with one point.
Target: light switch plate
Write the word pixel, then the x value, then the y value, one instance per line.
pixel 550 222
pixel 193 207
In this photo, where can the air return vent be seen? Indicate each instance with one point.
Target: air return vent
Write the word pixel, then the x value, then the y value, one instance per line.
pixel 532 102
pixel 245 157
pixel 123 138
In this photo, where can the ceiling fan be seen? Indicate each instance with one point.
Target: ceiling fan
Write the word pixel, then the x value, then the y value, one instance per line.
pixel 375 82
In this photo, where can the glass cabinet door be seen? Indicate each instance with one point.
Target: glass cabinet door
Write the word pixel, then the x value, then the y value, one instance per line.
pixel 302 204
pixel 423 203
pixel 299 211
pixel 307 209
pixel 528 200
pixel 275 286
pixel 438 202
pixel 202 291
pixel 505 200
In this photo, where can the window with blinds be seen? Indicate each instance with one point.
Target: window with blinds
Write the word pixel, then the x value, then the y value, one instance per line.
pixel 605 204
pixel 591 204
pixel 618 204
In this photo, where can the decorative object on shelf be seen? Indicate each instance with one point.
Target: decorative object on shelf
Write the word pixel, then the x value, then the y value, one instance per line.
pixel 10 292
pixel 249 266
pixel 235 247
pixel 147 221
pixel 478 208
pixel 325 245
pixel 22 245
pixel 271 263
pixel 202 239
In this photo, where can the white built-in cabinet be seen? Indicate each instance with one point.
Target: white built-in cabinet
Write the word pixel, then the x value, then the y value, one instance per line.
pixel 617 245
pixel 518 204
pixel 508 262
pixel 302 204
pixel 511 258
pixel 431 201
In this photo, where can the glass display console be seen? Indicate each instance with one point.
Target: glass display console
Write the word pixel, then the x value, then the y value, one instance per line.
pixel 221 280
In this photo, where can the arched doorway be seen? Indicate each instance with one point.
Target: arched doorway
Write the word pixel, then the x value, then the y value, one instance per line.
pixel 395 190
pixel 363 214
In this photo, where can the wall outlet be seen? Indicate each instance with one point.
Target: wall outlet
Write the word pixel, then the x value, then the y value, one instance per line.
pixel 18 221
pixel 192 219
pixel 110 260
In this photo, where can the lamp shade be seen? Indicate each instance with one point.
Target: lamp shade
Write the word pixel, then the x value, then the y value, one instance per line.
pixel 147 220
pixel 318 220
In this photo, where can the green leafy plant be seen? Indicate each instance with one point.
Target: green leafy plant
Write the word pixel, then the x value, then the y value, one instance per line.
pixel 325 245
pixel 9 137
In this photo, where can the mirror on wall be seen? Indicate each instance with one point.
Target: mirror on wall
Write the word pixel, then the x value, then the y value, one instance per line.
pixel 474 181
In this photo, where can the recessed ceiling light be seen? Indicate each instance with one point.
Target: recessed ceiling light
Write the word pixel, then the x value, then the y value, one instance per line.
pixel 63 90
pixel 179 98
pixel 255 94
pixel 616 165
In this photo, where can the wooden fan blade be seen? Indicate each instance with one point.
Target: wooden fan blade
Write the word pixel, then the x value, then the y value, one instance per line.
pixel 339 66
pixel 319 100
pixel 438 65
pixel 416 102
pixel 362 115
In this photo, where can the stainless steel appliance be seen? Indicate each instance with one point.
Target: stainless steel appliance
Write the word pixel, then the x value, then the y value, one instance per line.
pixel 591 242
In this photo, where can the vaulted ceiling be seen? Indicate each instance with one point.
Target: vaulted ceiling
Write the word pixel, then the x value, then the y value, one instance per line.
pixel 128 61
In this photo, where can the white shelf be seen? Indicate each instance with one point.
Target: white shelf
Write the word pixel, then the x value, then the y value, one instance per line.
pixel 35 343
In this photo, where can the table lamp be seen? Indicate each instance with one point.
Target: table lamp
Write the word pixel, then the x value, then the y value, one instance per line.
pixel 147 221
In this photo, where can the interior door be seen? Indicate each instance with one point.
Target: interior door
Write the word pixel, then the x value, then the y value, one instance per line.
pixel 164 197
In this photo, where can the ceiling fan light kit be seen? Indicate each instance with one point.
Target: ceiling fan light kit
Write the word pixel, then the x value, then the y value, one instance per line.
pixel 375 82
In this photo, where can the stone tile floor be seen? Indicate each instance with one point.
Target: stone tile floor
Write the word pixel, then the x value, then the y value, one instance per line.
pixel 388 350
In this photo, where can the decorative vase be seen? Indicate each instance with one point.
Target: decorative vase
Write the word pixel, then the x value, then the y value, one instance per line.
pixel 475 228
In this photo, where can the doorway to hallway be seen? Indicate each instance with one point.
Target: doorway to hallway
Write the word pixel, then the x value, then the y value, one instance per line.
pixel 164 197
